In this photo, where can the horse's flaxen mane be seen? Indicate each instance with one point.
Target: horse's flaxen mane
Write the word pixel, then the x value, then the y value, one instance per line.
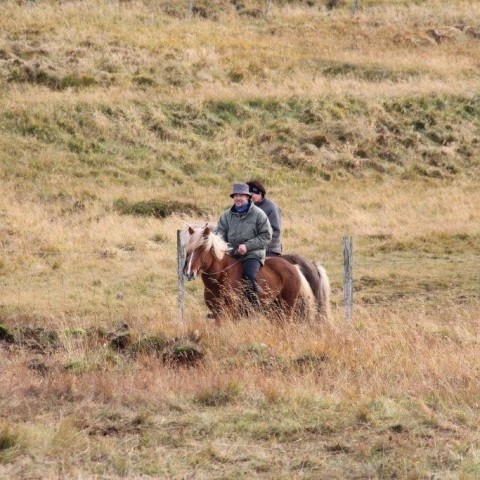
pixel 211 241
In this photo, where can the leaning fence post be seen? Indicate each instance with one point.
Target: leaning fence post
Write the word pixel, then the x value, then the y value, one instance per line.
pixel 181 280
pixel 348 277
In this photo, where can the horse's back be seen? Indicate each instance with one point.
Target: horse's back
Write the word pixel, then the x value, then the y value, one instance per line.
pixel 280 275
pixel 280 266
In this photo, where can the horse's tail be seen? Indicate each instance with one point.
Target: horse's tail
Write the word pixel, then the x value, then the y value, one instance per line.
pixel 307 296
pixel 318 280
pixel 323 297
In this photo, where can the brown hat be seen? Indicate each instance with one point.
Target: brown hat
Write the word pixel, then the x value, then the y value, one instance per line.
pixel 256 187
pixel 240 189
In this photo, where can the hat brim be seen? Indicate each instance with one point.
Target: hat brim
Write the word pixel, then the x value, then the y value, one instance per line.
pixel 241 193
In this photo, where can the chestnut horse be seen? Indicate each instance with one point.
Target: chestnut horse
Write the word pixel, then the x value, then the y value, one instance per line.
pixel 281 284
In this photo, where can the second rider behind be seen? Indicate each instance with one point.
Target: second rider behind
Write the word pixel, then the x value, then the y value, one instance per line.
pixel 274 214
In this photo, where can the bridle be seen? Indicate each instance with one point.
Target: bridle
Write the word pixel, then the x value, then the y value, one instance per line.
pixel 220 271
pixel 203 272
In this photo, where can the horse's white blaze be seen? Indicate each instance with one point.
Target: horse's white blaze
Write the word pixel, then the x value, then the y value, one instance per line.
pixel 189 266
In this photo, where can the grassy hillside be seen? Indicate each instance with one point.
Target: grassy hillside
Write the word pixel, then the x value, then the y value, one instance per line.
pixel 120 123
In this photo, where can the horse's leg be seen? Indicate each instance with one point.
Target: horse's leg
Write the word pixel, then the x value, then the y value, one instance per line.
pixel 233 297
pixel 289 296
pixel 279 286
pixel 212 298
pixel 222 299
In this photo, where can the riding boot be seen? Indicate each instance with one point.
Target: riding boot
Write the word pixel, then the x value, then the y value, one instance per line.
pixel 251 293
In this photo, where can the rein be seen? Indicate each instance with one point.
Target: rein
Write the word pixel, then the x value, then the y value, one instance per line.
pixel 220 271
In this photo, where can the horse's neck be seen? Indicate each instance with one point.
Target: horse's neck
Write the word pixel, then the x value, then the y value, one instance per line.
pixel 216 266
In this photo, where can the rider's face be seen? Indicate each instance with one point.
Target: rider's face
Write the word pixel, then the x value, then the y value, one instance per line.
pixel 257 197
pixel 240 199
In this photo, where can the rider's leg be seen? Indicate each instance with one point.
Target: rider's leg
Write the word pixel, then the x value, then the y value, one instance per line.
pixel 251 267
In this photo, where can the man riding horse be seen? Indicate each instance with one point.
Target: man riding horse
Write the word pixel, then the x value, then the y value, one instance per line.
pixel 246 228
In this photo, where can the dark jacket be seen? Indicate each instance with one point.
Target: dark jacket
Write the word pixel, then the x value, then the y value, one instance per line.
pixel 274 215
pixel 251 228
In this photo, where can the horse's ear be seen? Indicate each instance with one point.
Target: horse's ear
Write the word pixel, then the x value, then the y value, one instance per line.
pixel 190 230
pixel 206 232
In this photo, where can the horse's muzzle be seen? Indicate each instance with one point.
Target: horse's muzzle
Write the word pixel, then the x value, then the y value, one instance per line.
pixel 190 276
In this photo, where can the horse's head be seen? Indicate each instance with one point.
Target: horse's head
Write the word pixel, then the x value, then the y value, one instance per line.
pixel 196 250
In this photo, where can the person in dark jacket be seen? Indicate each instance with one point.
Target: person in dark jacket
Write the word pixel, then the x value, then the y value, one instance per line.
pixel 274 214
pixel 247 230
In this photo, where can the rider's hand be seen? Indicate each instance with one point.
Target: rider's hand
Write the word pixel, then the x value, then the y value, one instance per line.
pixel 242 249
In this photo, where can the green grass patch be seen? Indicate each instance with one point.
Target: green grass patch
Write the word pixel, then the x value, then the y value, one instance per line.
pixel 5 334
pixel 219 395
pixel 368 73
pixel 156 208
pixel 8 439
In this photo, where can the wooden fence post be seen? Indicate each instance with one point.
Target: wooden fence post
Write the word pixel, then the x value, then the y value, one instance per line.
pixel 181 279
pixel 348 277
pixel 267 7
pixel 355 7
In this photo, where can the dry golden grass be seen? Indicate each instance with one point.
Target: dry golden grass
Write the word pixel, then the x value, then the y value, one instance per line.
pixel 364 126
pixel 393 392
pixel 115 45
